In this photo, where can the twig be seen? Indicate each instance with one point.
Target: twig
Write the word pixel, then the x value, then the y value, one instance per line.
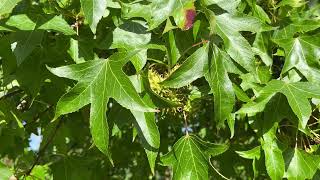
pixel 41 151
pixel 217 171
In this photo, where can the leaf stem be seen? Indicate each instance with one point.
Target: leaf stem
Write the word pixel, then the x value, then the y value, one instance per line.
pixel 217 171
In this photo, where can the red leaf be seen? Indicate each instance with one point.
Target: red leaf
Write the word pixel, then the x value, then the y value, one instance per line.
pixel 190 16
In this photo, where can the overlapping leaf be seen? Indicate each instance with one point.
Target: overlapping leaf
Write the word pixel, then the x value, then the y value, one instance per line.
pixel 6 6
pixel 25 41
pixel 301 165
pixel 302 53
pixel 297 95
pixel 190 157
pixel 55 23
pixel 196 66
pixel 158 11
pixel 99 80
pixel 129 36
pixel 235 44
pixel 93 11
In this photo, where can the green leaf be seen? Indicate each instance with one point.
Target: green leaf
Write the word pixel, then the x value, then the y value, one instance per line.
pixel 253 153
pixel 297 26
pixel 129 36
pixel 236 45
pixel 6 6
pixel 5 172
pixel 219 81
pixel 274 160
pixel 273 155
pixel 55 23
pixel 228 5
pixel 24 42
pixel 191 69
pixel 302 53
pixel 190 157
pixel 241 95
pixel 292 3
pixel 99 80
pixel 196 66
pixel 258 11
pixel 73 51
pixel 145 125
pixel 158 11
pixel 301 165
pixel 93 11
pixel 173 52
pixel 297 95
pixel 39 172
pixel 260 47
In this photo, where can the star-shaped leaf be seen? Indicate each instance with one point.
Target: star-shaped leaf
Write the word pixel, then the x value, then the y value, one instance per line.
pixel 190 157
pixel 297 95
pixel 99 80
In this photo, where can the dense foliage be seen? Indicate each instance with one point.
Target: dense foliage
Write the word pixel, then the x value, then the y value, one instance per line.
pixel 159 89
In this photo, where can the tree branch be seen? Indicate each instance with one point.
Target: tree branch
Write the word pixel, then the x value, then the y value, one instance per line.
pixel 42 150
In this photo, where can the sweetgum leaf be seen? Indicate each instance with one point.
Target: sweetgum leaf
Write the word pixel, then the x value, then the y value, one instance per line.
pixel 196 66
pixel 99 80
pixel 273 155
pixel 297 26
pixel 55 23
pixel 93 11
pixel 24 42
pixel 228 5
pixel 236 45
pixel 129 36
pixel 218 79
pixel 5 172
pixel 302 53
pixel 301 165
pixel 191 69
pixel 6 6
pixel 253 153
pixel 146 127
pixel 190 157
pixel 297 94
pixel 157 12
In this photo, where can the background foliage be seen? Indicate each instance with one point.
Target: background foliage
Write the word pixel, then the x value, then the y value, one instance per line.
pixel 159 89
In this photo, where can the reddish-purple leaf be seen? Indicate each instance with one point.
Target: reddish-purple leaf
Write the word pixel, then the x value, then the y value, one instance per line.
pixel 190 15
